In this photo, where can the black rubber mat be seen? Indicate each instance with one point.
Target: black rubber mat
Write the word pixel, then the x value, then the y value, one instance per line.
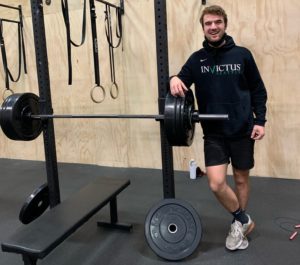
pixel 273 205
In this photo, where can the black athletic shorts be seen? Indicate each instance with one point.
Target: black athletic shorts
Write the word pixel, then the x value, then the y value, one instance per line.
pixel 238 151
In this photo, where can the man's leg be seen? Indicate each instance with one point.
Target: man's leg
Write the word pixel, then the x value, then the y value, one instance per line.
pixel 241 178
pixel 217 182
pixel 242 188
pixel 227 197
pixel 242 158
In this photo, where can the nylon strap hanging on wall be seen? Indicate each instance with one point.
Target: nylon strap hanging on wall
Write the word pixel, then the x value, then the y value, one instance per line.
pixel 70 42
pixel 22 38
pixel 95 42
pixel 21 49
pixel 109 37
pixel 114 89
pixel 3 53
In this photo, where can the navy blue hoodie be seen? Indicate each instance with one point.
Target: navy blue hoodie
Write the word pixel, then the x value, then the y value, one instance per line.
pixel 227 81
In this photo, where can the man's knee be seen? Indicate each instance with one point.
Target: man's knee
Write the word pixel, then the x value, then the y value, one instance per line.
pixel 217 186
pixel 241 177
pixel 217 177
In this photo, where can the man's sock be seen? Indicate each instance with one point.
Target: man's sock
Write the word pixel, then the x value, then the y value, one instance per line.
pixel 240 215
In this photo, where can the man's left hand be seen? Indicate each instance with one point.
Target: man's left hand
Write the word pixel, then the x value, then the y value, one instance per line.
pixel 258 132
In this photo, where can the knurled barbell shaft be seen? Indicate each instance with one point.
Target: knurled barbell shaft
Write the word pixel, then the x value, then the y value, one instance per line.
pixel 196 117
pixel 97 116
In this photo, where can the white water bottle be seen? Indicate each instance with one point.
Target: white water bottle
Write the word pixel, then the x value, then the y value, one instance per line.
pixel 193 168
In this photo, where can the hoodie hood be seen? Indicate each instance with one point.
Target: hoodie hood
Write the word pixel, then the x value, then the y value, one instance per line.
pixel 229 43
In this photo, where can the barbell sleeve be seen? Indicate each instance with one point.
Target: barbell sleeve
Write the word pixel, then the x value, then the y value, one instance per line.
pixel 197 117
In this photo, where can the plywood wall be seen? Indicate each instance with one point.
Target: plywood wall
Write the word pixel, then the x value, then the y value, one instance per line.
pixel 267 27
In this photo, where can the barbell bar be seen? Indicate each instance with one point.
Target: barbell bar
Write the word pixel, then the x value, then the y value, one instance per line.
pixel 158 117
pixel 96 116
pixel 20 117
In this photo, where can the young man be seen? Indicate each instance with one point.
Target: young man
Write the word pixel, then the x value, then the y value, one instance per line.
pixel 227 81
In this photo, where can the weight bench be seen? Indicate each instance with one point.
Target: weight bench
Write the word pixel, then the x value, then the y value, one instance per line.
pixel 37 239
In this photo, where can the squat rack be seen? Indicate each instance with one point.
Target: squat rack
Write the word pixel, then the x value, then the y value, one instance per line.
pixel 46 102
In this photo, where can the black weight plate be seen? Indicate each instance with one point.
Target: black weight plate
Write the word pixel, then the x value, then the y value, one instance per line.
pixel 189 107
pixel 169 118
pixel 173 229
pixel 14 122
pixel 35 204
pixel 178 123
pixel 180 130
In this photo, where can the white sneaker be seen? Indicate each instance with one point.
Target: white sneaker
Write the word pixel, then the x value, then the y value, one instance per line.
pixel 244 244
pixel 235 236
pixel 247 228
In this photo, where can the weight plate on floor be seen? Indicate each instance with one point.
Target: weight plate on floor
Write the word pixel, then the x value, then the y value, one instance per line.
pixel 14 119
pixel 173 229
pixel 178 123
pixel 35 204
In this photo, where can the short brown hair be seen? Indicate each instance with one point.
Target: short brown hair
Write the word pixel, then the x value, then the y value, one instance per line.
pixel 214 10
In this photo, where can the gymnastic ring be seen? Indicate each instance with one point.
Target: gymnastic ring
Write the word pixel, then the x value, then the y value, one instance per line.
pixel 3 94
pixel 92 94
pixel 114 96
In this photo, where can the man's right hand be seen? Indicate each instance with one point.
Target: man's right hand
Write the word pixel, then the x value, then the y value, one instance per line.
pixel 177 87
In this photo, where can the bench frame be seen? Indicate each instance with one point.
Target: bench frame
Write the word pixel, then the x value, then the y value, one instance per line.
pixel 31 251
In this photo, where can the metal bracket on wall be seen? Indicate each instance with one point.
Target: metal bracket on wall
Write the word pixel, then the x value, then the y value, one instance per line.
pixel 121 7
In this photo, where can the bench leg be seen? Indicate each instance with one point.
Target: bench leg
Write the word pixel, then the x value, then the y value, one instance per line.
pixel 114 217
pixel 29 260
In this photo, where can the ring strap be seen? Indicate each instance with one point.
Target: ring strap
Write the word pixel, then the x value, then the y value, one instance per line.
pixel 65 11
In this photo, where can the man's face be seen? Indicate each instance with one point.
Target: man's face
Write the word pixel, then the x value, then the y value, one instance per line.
pixel 213 27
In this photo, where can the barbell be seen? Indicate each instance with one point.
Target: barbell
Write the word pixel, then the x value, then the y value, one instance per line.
pixel 21 120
